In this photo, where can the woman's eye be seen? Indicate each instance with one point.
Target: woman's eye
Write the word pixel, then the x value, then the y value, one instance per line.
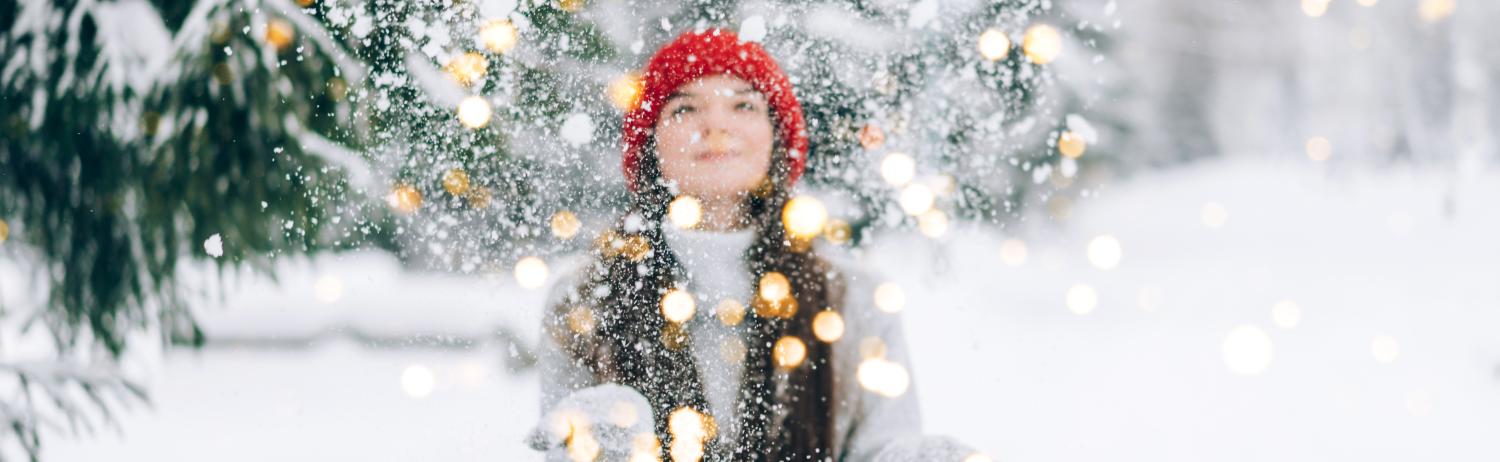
pixel 746 106
pixel 683 109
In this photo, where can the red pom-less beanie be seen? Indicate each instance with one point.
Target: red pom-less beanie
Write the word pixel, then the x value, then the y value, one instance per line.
pixel 711 52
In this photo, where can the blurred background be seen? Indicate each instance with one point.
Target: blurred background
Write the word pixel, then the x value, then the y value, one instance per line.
pixel 1123 229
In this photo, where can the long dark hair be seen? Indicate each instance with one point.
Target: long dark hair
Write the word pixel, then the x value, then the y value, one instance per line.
pixel 784 413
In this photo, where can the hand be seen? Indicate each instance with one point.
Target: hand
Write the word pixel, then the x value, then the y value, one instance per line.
pixel 608 422
pixel 928 447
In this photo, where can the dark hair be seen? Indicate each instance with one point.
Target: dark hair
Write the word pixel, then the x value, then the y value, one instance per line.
pixel 784 414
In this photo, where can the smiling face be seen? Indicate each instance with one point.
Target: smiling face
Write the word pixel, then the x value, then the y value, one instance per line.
pixel 714 137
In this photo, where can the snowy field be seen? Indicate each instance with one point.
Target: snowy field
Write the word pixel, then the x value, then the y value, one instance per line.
pixel 1387 350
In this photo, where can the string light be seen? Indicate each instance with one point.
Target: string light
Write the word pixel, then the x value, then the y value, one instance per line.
pixel 789 352
pixel 677 306
pixel 898 169
pixel 804 217
pixel 625 91
pixel 564 224
pixel 466 68
pixel 688 424
pixel 474 112
pixel 685 211
pixel 405 198
pixel 1071 145
pixel 456 181
pixel 498 36
pixel 994 45
pixel 531 272
pixel 828 326
pixel 917 198
pixel 730 311
pixel 1042 43
pixel 889 297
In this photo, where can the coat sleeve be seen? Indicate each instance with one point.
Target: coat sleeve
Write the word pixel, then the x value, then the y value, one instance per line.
pixel 559 372
pixel 874 419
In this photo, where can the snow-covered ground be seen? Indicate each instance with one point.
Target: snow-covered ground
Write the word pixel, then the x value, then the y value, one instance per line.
pixel 1395 278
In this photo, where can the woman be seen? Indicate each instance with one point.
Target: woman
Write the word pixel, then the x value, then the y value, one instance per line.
pixel 688 339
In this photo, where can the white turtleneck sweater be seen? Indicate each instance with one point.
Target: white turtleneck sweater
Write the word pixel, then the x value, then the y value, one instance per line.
pixel 863 420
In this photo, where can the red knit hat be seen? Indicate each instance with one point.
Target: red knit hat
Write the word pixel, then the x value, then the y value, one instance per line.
pixel 710 52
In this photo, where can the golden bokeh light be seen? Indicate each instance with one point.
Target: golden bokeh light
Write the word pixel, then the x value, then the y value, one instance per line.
pixel 456 181
pixel 1319 149
pixel 1247 350
pixel 774 286
pixel 1286 314
pixel 581 444
pixel 467 68
pixel 685 211
pixel 828 326
pixel 1042 43
pixel 882 377
pixel 917 198
pixel 1314 8
pixel 898 169
pixel 933 223
pixel 405 198
pixel 581 320
pixel 635 247
pixel 478 197
pixel 531 272
pixel 1071 145
pixel 674 336
pixel 280 34
pixel 474 112
pixel 889 297
pixel 994 45
pixel 1214 215
pixel 677 306
pixel 804 217
pixel 1082 299
pixel 733 350
pixel 871 347
pixel 1104 252
pixel 838 231
pixel 730 312
pixel 498 36
pixel 623 414
pixel 564 224
pixel 871 137
pixel 625 91
pixel 1384 348
pixel 789 352
pixel 4 231
pixel 1436 10
pixel 1013 252
pixel 689 424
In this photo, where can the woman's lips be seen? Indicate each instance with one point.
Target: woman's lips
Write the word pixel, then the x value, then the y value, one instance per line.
pixel 713 155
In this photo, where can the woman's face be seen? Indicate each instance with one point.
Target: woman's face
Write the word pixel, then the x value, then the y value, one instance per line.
pixel 714 137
